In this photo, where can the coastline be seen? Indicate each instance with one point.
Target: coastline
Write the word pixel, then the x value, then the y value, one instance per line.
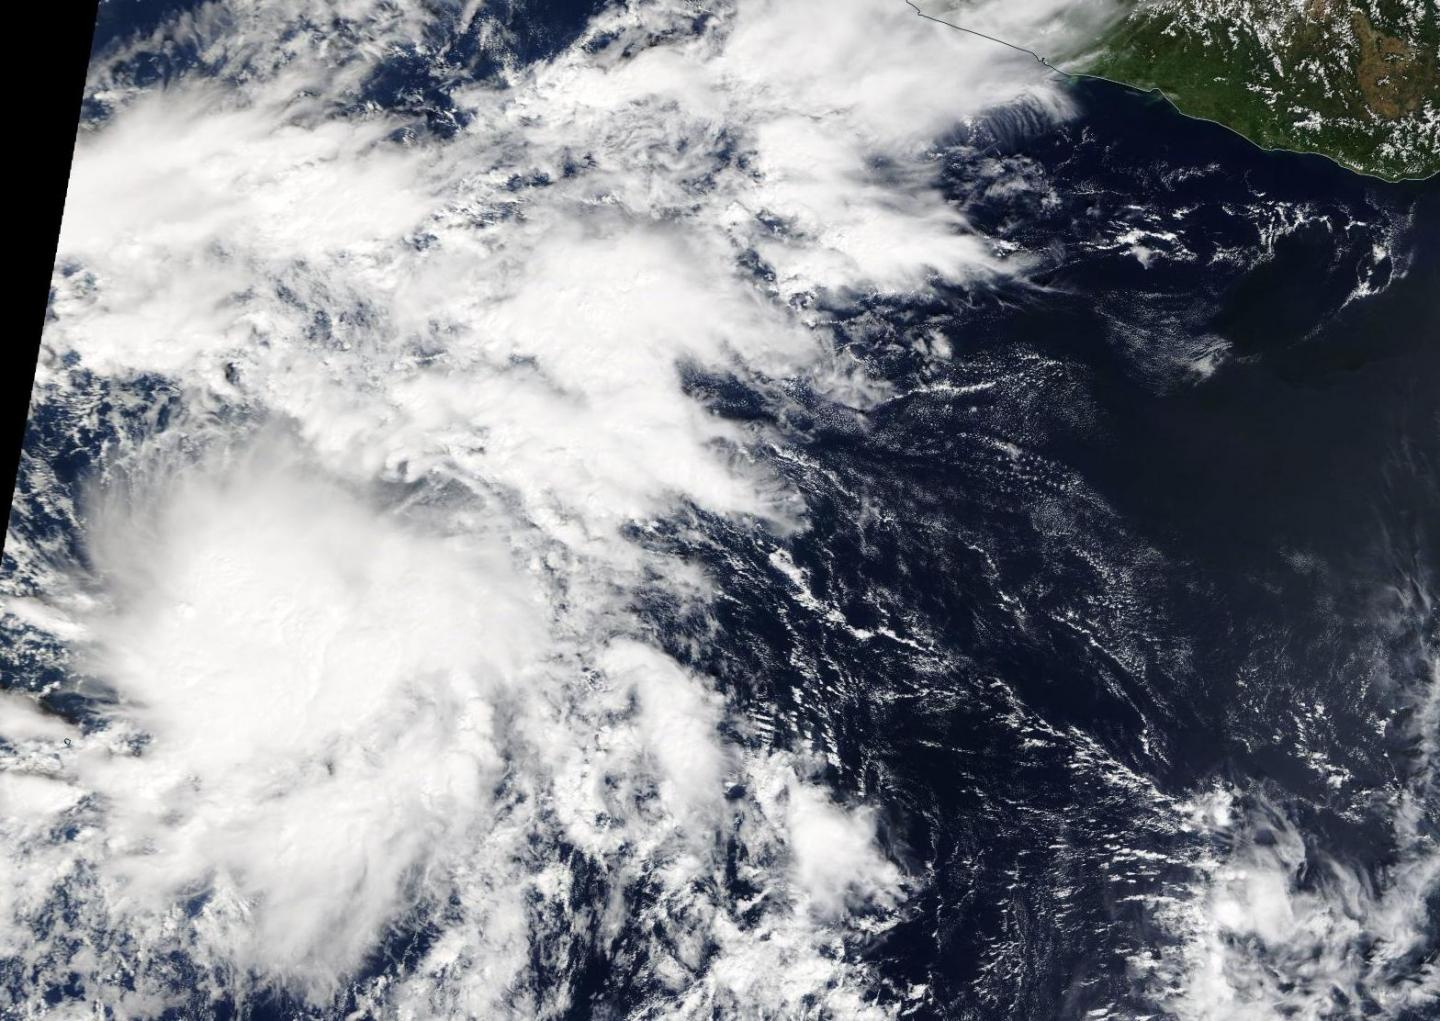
pixel 1045 62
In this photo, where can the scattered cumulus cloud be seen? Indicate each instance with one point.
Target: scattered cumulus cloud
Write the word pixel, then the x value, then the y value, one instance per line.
pixel 360 617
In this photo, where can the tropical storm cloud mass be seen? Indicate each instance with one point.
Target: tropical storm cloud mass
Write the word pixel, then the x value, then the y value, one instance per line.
pixel 747 510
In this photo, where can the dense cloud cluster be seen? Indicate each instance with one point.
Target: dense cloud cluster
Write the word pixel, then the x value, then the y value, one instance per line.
pixel 373 720
pixel 361 609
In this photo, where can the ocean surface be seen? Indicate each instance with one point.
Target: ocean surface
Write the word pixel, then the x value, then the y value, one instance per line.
pixel 1111 622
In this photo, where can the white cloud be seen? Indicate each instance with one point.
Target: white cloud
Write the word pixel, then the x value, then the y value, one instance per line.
pixel 315 682
pixel 836 860
pixel 1059 30
pixel 370 667
pixel 1274 927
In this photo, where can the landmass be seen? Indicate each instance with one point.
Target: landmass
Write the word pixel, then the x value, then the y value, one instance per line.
pixel 1355 80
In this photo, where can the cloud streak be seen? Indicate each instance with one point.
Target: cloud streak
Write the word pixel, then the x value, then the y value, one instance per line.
pixel 357 614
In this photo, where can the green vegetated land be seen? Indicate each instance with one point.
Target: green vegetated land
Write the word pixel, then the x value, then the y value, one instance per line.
pixel 1356 80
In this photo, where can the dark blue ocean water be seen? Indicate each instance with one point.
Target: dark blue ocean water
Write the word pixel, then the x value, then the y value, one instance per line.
pixel 1114 526
pixel 1161 564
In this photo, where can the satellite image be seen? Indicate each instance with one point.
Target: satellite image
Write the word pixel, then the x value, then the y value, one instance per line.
pixel 754 510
